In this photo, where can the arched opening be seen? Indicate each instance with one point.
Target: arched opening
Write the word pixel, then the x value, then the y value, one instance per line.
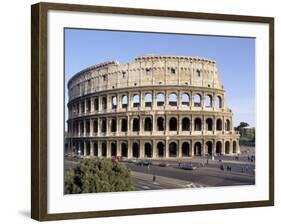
pixel 95 126
pixel 124 150
pixel 218 148
pixel 147 150
pixel 160 124
pixel 197 124
pixel 103 125
pixel 136 124
pixel 197 100
pixel 173 151
pixel 124 101
pixel 114 102
pixel 113 149
pixel 208 101
pixel 185 99
pixel 209 124
pixel 219 124
pixel 82 127
pixel 113 125
pixel 88 124
pixel 160 149
pixel 185 150
pixel 136 151
pixel 173 124
pixel 185 124
pixel 227 125
pixel 173 99
pixel 160 98
pixel 147 124
pixel 96 149
pixel 136 100
pixel 209 148
pixel 218 102
pixel 103 150
pixel 148 100
pixel 83 107
pixel 234 147
pixel 96 104
pixel 104 103
pixel 88 148
pixel 227 147
pixel 198 149
pixel 124 125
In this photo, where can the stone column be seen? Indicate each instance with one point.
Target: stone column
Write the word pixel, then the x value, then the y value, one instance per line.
pixel 141 149
pixel 85 148
pixel 108 151
pixel 91 149
pixel 118 148
pixel 223 147
pixel 100 104
pixel 179 150
pixel 192 148
pixel 99 149
pixel 154 152
pixel 129 146
pixel 167 148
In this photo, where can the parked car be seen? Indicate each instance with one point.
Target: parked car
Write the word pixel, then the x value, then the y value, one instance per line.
pixel 143 163
pixel 163 164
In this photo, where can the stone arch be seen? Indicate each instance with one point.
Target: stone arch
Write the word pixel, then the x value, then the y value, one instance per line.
pixel 88 148
pixel 136 100
pixel 185 100
pixel 219 124
pixel 136 150
pixel 198 149
pixel 160 124
pixel 185 149
pixel 103 149
pixel 96 104
pixel 148 99
pixel 124 149
pixel 227 125
pixel 95 125
pixel 173 149
pixel 218 102
pixel 148 124
pixel 197 100
pixel 113 149
pixel 209 124
pixel 113 102
pixel 103 125
pixel 96 149
pixel 113 125
pixel 219 148
pixel 197 124
pixel 161 149
pixel 173 124
pixel 208 101
pixel 173 99
pixel 104 103
pixel 124 101
pixel 209 148
pixel 136 124
pixel 160 98
pixel 124 125
pixel 148 150
pixel 227 147
pixel 185 124
pixel 234 147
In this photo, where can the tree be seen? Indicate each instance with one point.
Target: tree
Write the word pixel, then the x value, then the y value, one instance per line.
pixel 99 175
pixel 242 125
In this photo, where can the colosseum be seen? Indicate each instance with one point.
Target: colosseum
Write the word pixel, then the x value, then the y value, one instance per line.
pixel 156 107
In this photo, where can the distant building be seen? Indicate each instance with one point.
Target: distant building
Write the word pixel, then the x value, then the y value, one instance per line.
pixel 154 107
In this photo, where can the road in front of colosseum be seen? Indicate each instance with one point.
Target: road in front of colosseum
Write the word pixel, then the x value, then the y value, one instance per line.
pixel 172 177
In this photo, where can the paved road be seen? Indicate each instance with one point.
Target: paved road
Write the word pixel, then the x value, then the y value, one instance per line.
pixel 143 181
pixel 203 175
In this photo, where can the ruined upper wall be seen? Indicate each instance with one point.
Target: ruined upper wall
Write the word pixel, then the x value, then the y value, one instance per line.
pixel 146 71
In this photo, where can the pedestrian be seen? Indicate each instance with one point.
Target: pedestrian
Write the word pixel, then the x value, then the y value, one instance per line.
pixel 154 178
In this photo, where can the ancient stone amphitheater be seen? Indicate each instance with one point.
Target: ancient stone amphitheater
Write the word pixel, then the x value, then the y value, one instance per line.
pixel 156 107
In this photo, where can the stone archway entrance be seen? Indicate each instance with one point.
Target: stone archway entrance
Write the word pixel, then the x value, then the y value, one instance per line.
pixel 136 150
pixel 209 148
pixel 198 149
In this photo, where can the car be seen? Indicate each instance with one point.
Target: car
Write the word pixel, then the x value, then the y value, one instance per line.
pixel 163 164
pixel 143 163
pixel 185 166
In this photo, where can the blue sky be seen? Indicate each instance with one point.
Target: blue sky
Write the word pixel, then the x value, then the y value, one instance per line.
pixel 235 58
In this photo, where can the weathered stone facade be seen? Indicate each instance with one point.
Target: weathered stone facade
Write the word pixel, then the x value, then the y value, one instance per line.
pixel 154 107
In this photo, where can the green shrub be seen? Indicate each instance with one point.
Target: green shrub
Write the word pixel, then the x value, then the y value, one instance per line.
pixel 93 175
